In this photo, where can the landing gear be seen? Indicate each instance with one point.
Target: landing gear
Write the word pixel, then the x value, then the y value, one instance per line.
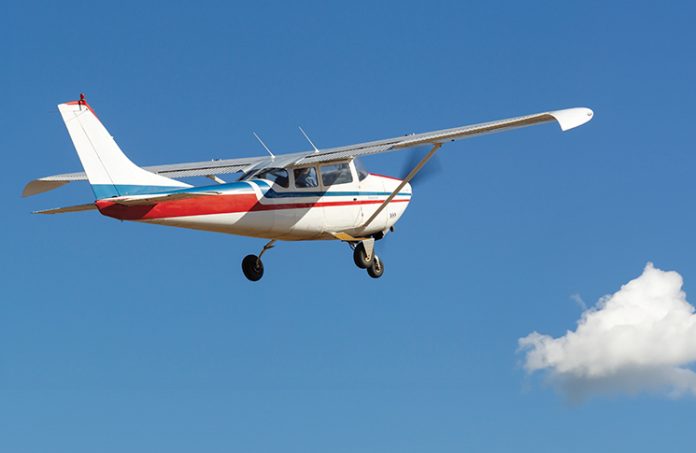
pixel 376 268
pixel 365 258
pixel 252 266
pixel 360 256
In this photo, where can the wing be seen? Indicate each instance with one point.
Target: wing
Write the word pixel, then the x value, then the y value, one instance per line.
pixel 567 119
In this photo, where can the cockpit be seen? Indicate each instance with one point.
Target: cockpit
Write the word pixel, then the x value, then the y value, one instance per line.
pixel 311 176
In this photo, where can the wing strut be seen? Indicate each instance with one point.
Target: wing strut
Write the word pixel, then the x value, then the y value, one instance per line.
pixel 403 183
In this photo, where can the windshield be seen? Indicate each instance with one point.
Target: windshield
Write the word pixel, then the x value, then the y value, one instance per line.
pixel 360 168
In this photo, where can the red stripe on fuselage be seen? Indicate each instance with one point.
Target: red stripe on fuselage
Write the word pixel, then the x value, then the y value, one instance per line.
pixel 214 204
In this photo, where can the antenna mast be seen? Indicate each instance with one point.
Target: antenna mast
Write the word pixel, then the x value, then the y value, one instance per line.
pixel 316 150
pixel 264 145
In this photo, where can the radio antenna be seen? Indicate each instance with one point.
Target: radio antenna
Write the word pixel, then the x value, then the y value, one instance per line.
pixel 263 144
pixel 316 150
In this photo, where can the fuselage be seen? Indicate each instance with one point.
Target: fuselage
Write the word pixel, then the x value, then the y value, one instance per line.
pixel 286 210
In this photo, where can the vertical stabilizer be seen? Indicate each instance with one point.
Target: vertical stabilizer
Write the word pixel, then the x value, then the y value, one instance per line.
pixel 109 171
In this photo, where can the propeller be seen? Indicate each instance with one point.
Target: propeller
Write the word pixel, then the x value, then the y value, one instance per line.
pixel 430 169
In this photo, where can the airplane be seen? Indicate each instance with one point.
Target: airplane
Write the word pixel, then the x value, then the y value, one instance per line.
pixel 311 195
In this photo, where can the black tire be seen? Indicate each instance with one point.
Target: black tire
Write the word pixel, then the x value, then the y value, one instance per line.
pixel 376 268
pixel 360 256
pixel 252 267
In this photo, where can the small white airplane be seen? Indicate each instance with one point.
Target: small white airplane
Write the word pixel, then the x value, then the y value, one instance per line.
pixel 312 195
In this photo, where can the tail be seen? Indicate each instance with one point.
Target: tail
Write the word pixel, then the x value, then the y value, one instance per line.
pixel 109 171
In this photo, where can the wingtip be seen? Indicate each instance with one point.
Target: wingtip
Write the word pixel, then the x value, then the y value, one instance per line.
pixel 572 118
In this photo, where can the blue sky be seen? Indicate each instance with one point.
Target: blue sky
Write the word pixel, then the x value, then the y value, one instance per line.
pixel 118 336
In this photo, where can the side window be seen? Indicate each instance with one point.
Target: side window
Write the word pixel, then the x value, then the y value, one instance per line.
pixel 277 175
pixel 306 177
pixel 336 174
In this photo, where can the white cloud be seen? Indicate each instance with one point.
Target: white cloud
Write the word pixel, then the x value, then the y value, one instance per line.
pixel 639 339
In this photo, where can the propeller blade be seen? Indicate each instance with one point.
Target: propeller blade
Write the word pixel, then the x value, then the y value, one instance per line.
pixel 431 168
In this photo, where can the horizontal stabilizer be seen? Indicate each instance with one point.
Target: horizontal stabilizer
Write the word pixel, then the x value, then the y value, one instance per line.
pixel 76 208
pixel 144 200
pixel 41 185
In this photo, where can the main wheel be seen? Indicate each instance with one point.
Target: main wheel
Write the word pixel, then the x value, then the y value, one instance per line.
pixel 252 267
pixel 360 256
pixel 376 268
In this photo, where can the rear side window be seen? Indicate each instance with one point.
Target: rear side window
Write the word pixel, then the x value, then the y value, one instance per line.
pixel 336 174
pixel 276 175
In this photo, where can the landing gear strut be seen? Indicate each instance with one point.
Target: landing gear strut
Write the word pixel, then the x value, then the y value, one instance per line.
pixel 252 266
pixel 360 256
pixel 365 258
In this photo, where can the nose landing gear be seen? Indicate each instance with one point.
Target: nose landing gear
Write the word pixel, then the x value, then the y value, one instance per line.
pixel 364 257
pixel 360 256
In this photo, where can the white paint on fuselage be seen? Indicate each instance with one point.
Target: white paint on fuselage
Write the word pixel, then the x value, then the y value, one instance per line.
pixel 342 208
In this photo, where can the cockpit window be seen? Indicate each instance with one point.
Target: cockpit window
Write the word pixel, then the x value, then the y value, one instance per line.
pixel 360 168
pixel 276 175
pixel 305 177
pixel 336 174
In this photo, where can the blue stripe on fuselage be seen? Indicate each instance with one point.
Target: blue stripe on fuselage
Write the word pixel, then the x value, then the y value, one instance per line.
pixel 102 191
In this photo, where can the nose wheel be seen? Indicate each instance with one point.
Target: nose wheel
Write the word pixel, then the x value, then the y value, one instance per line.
pixel 376 268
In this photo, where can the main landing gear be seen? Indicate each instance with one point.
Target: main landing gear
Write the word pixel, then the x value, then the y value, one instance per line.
pixel 252 265
pixel 365 258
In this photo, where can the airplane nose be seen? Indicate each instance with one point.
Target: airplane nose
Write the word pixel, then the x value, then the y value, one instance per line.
pixel 407 188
